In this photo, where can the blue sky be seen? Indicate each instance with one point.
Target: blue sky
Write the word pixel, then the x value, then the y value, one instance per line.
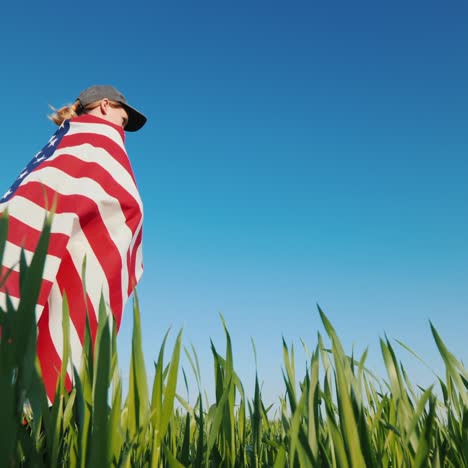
pixel 296 153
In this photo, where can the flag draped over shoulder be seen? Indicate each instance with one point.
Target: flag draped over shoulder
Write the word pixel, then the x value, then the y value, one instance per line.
pixel 85 173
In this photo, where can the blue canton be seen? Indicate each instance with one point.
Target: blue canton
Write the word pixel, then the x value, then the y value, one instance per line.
pixel 43 155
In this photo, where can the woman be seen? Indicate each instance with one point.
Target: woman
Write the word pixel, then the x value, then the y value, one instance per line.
pixel 84 176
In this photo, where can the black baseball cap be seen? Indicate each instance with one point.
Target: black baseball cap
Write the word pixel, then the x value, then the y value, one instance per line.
pixel 136 119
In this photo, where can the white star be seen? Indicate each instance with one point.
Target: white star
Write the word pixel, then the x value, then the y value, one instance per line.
pixel 41 158
pixel 52 141
pixel 7 193
pixel 23 174
pixel 38 154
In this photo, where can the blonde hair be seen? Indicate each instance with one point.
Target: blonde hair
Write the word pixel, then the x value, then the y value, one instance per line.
pixel 74 110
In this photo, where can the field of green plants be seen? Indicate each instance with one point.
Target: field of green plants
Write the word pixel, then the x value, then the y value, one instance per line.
pixel 334 412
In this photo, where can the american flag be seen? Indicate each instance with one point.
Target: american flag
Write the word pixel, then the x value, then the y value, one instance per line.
pixel 98 216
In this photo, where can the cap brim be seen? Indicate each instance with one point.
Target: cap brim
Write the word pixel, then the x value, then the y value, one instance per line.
pixel 136 119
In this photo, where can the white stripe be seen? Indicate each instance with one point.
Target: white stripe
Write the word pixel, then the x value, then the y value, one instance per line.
pixel 39 310
pixel 34 215
pixel 100 129
pixel 131 250
pixel 89 153
pixel 137 232
pixel 139 263
pixel 139 253
pixel 11 259
pixel 14 301
pixel 95 279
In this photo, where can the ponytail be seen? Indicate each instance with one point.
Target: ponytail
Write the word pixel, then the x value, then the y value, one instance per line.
pixel 66 112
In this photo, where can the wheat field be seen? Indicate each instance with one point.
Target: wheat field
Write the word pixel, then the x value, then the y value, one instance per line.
pixel 334 413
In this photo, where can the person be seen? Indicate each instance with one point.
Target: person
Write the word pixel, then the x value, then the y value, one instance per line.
pixel 84 177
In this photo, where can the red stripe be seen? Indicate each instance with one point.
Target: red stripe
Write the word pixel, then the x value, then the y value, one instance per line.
pixel 130 272
pixel 77 168
pixel 25 236
pixel 70 283
pixel 12 286
pixel 50 361
pixel 98 141
pixel 93 228
pixel 132 264
pixel 89 118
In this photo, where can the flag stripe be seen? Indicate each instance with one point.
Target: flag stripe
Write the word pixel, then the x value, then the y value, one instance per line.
pixel 14 300
pixel 27 237
pixel 86 126
pixel 100 141
pixel 12 285
pixel 133 280
pixel 12 254
pixel 69 282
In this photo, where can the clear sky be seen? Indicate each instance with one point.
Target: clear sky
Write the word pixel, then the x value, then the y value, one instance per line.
pixel 296 153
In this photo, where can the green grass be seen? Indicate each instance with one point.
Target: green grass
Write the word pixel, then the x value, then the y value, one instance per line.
pixel 333 413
